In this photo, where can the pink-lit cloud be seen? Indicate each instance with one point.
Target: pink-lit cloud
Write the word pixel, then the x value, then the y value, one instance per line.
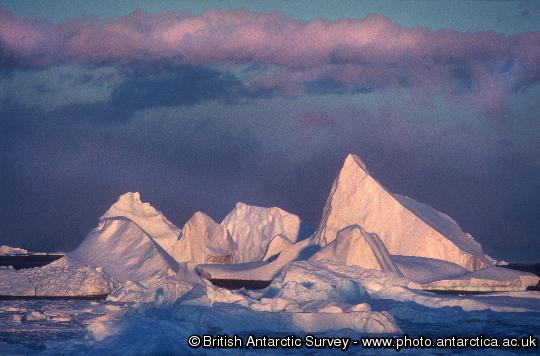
pixel 362 55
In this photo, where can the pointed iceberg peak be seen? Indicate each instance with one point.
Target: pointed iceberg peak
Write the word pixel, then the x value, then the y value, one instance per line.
pixel 200 216
pixel 131 202
pixel 244 206
pixel 352 161
pixel 405 227
pixel 148 218
pixel 241 205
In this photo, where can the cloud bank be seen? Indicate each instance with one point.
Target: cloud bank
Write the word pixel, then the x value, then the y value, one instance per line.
pixel 292 57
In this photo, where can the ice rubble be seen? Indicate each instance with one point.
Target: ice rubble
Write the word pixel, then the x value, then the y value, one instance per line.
pixel 306 296
pixel 406 227
pixel 56 279
pixel 323 277
pixel 253 228
pixel 8 250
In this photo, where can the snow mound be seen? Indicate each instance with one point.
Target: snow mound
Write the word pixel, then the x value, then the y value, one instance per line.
pixel 8 250
pixel 354 246
pixel 253 228
pixel 426 270
pixel 123 250
pixel 56 279
pixel 278 244
pixel 300 282
pixel 152 221
pixel 488 280
pixel 406 227
pixel 204 241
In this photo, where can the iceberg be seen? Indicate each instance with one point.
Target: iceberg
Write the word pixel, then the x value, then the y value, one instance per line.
pixel 149 219
pixel 204 241
pixel 372 266
pixel 354 246
pixel 57 279
pixel 406 227
pixel 123 250
pixel 278 244
pixel 8 250
pixel 253 228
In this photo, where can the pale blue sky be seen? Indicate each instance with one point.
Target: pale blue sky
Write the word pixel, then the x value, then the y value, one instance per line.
pixel 461 15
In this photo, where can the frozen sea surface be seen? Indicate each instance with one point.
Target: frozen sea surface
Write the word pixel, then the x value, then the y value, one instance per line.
pixel 61 327
pixel 30 326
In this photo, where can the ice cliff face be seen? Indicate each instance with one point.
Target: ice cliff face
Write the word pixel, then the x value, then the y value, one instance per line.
pixel 204 241
pixel 253 228
pixel 406 227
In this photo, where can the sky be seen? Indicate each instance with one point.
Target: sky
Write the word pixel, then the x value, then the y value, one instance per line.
pixel 200 104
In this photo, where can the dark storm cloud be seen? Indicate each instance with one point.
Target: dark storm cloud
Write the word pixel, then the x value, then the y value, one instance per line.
pixel 184 86
pixel 63 172
pixel 60 173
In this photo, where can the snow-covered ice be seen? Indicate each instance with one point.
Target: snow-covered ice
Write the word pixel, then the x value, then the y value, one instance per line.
pixel 488 279
pixel 55 279
pixel 8 250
